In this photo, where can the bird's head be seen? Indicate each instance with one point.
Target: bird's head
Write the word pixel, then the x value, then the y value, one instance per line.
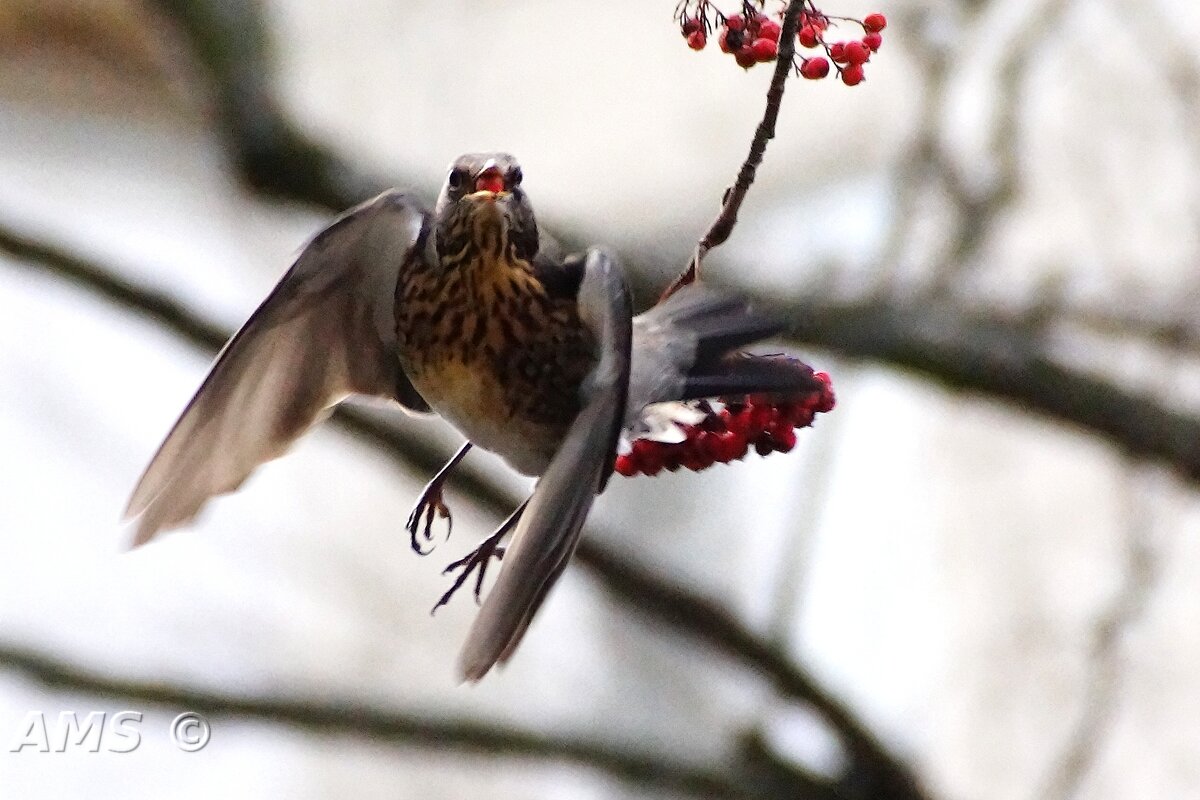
pixel 483 207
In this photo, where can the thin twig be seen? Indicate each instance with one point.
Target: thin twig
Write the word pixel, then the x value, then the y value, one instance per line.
pixel 1107 657
pixel 723 225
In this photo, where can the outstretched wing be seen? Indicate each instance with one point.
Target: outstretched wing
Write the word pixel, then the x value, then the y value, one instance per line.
pixel 327 330
pixel 550 526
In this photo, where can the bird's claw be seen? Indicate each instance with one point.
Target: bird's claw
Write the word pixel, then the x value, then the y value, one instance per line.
pixel 430 505
pixel 477 560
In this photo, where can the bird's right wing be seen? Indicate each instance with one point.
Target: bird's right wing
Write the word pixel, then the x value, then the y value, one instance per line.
pixel 552 522
pixel 327 330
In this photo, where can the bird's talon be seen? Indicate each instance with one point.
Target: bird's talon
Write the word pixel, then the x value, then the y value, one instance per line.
pixel 429 524
pixel 430 506
pixel 476 561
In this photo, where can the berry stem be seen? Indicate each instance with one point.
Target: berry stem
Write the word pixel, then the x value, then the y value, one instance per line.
pixel 723 225
pixel 857 22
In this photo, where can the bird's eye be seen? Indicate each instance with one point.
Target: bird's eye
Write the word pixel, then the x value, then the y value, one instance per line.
pixel 514 177
pixel 455 179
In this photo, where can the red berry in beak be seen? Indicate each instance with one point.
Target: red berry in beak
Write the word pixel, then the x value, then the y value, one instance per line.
pixel 490 180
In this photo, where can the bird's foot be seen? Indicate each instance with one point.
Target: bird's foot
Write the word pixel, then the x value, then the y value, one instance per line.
pixel 478 561
pixel 430 505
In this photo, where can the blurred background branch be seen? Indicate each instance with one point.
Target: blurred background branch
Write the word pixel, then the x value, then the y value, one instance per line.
pixel 754 777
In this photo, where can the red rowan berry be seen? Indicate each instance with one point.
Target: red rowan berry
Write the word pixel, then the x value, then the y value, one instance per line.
pixel 827 400
pixel 738 448
pixel 769 30
pixel 857 53
pixel 735 22
pixel 814 68
pixel 726 446
pixel 690 456
pixel 626 466
pixel 764 50
pixel 837 51
pixel 808 36
pixel 647 455
pixel 874 23
pixel 872 41
pixel 745 58
pixel 737 422
pixel 761 417
pixel 696 40
pixel 852 75
pixel 691 25
pixel 784 439
pixel 802 417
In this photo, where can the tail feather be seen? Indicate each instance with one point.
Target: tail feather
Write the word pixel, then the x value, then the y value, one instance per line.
pixel 719 322
pixel 688 348
pixel 741 374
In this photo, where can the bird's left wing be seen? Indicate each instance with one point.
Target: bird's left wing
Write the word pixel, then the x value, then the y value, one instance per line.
pixel 327 330
pixel 551 524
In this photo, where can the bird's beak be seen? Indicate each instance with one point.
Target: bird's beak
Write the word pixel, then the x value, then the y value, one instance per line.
pixel 490 179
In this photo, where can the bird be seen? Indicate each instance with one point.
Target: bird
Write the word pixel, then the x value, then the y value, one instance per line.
pixel 470 312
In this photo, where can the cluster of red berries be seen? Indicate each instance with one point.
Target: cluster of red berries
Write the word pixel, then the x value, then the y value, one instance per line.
pixel 765 422
pixel 849 55
pixel 752 37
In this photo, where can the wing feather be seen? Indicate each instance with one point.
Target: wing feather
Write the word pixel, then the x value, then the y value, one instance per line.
pixel 326 331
